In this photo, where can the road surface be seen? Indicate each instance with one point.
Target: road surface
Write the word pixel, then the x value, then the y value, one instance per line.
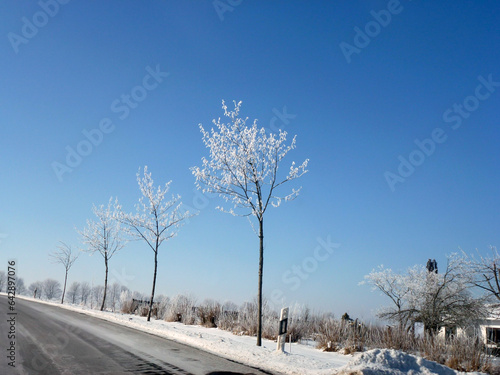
pixel 50 340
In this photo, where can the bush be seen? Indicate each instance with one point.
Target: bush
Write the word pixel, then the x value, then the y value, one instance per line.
pixel 228 319
pixel 270 324
pixel 467 353
pixel 329 333
pixel 392 338
pixel 247 321
pixel 163 303
pixel 209 313
pixel 126 302
pixel 143 310
pixel 181 309
pixel 300 322
pixel 460 352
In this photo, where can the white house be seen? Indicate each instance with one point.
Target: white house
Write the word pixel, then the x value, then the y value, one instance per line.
pixel 490 328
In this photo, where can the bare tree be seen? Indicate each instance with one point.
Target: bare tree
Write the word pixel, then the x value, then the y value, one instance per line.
pixel 51 288
pixel 64 255
pixel 243 169
pixel 104 236
pixel 85 290
pixel 155 220
pixel 73 291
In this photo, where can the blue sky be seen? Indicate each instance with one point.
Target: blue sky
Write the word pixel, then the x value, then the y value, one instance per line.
pixel 354 116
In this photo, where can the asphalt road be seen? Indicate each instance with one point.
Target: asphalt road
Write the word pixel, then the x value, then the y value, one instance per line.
pixel 53 341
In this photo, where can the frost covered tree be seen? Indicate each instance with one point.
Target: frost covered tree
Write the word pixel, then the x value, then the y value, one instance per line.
pixel 51 289
pixel 104 236
pixel 96 294
pixel 484 271
pixel 398 288
pixel 242 168
pixel 73 291
pixel 20 287
pixel 64 255
pixel 448 300
pixel 85 290
pixel 155 220
pixel 436 300
pixel 36 289
pixel 115 291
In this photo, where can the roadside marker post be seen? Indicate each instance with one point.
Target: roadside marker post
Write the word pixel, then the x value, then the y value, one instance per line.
pixel 282 330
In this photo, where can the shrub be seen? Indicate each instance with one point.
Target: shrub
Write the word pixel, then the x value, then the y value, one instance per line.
pixel 163 303
pixel 460 352
pixel 126 302
pixel 247 321
pixel 300 322
pixel 181 309
pixel 209 313
pixel 143 311
pixel 328 333
pixel 228 319
pixel 467 353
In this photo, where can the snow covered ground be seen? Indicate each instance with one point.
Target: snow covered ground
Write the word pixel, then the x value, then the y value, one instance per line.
pixel 394 362
pixel 299 359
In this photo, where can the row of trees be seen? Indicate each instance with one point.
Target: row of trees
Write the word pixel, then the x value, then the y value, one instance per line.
pixel 242 168
pixel 82 293
pixel 463 353
pixel 20 287
pixel 49 289
pixel 451 299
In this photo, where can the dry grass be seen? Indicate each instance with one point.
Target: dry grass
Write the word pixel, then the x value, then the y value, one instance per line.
pixel 209 313
pixel 462 353
pixel 127 307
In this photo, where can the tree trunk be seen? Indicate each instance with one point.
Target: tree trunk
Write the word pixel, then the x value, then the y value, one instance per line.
pixel 154 284
pixel 105 283
pixel 64 289
pixel 261 266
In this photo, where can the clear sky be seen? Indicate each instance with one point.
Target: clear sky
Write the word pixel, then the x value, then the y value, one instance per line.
pixel 396 105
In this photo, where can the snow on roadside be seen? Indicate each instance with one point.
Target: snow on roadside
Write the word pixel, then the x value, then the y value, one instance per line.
pixel 300 360
pixel 394 362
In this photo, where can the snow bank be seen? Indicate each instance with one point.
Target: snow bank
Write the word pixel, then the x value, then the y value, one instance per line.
pixel 394 362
